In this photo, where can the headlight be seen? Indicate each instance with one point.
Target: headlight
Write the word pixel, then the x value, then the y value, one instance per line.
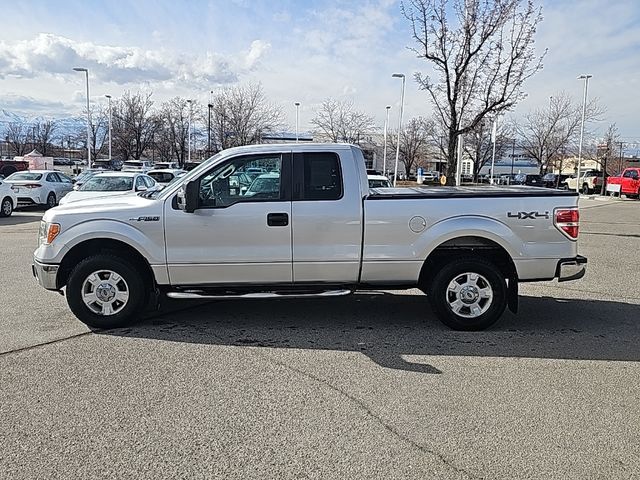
pixel 48 232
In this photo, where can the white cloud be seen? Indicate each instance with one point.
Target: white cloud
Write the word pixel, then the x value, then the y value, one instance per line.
pixel 258 49
pixel 53 55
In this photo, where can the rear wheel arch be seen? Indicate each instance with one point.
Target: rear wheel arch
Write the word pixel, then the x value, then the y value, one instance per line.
pixel 472 246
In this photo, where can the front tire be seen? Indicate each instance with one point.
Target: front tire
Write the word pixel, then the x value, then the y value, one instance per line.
pixel 468 294
pixel 6 208
pixel 104 291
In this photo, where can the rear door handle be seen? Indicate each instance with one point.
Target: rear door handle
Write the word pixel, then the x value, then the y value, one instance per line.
pixel 277 219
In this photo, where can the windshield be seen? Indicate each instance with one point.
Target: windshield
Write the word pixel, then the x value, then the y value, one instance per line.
pixel 133 164
pixel 107 184
pixel 85 175
pixel 264 185
pixel 379 183
pixel 192 174
pixel 25 176
pixel 162 177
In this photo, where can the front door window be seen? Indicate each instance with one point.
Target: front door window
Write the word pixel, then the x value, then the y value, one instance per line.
pixel 243 179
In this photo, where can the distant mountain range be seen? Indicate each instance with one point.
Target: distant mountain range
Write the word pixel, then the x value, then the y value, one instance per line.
pixel 64 125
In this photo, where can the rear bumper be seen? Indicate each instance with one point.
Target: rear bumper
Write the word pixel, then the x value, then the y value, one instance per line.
pixel 571 268
pixel 46 274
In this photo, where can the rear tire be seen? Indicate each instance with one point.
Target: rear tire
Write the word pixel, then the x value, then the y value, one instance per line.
pixel 468 294
pixel 104 291
pixel 51 201
pixel 586 190
pixel 6 208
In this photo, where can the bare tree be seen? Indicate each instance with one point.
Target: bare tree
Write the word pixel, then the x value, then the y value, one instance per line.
pixel 99 127
pixel 17 136
pixel 241 115
pixel 547 133
pixel 608 149
pixel 174 127
pixel 414 140
pixel 339 121
pixel 479 145
pixel 43 133
pixel 133 125
pixel 481 59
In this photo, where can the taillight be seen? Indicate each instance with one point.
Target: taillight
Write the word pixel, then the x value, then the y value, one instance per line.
pixel 567 220
pixel 31 185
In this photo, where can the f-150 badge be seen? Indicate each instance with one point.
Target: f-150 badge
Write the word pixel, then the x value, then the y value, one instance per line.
pixel 528 215
pixel 145 219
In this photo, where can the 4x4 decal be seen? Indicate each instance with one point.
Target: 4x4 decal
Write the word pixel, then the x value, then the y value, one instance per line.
pixel 528 215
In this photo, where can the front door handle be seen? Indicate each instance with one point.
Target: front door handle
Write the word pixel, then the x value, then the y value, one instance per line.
pixel 277 219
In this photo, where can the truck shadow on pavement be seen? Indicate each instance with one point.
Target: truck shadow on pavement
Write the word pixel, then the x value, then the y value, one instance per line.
pixel 387 327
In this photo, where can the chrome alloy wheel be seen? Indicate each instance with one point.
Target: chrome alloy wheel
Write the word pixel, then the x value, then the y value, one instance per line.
pixel 105 292
pixel 469 295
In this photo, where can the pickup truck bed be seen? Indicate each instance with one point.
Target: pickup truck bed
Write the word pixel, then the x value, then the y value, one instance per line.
pixel 487 191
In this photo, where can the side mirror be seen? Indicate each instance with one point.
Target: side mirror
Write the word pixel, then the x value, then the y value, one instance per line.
pixel 188 197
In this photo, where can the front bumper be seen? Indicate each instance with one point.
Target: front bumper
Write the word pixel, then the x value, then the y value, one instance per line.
pixel 571 268
pixel 46 274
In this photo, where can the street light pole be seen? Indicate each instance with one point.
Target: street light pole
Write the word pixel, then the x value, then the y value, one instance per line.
pixel 109 97
pixel 494 134
pixel 189 132
pixel 586 78
pixel 209 107
pixel 297 104
pixel 395 174
pixel 384 152
pixel 86 71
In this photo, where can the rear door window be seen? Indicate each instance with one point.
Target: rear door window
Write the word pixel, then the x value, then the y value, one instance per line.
pixel 320 177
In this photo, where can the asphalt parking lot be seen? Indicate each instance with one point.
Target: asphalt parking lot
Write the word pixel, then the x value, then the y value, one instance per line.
pixel 367 386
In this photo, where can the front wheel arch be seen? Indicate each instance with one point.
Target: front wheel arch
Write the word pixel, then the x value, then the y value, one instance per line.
pixel 106 246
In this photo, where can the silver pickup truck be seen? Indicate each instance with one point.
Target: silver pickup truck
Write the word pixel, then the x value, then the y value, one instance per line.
pixel 267 221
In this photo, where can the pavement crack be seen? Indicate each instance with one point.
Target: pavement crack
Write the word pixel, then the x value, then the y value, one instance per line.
pixel 374 416
pixel 43 344
pixel 629 235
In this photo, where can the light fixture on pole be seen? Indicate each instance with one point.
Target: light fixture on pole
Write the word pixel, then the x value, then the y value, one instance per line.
pixel 586 78
pixel 189 132
pixel 395 174
pixel 109 97
pixel 297 104
pixel 86 71
pixel 384 151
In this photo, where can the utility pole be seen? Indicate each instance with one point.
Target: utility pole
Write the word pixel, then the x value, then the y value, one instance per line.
pixel 621 163
pixel 513 157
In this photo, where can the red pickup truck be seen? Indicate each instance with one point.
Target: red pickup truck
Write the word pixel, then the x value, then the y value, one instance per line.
pixel 626 184
pixel 7 167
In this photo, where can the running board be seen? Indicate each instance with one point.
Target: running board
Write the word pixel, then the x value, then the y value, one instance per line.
pixel 191 295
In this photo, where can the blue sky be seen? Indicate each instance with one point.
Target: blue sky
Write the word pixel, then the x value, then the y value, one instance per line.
pixel 299 51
